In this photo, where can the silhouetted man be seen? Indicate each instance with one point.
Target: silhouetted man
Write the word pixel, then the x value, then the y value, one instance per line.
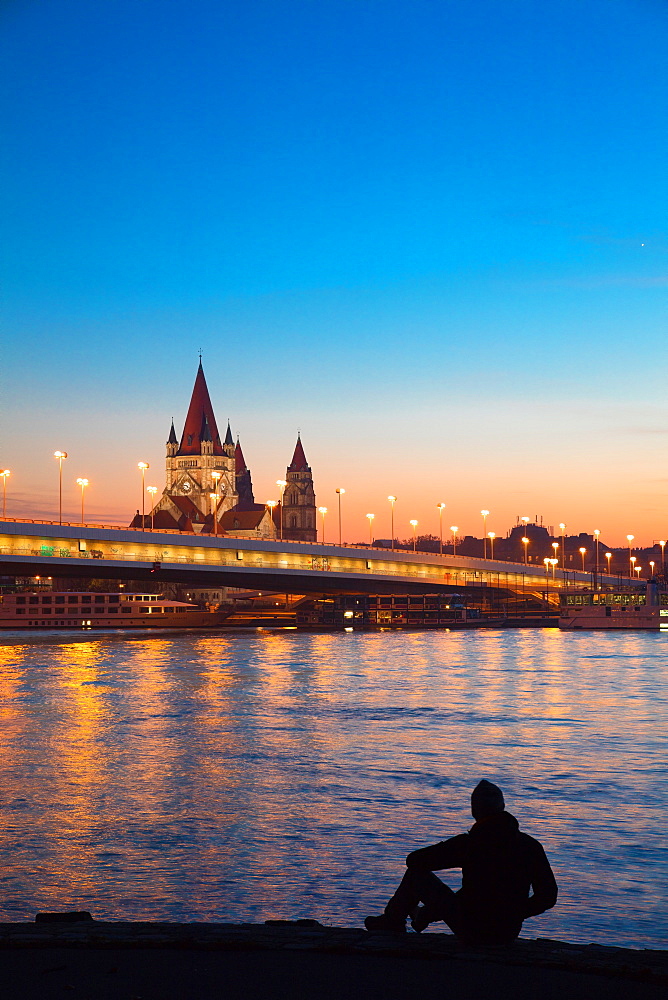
pixel 500 866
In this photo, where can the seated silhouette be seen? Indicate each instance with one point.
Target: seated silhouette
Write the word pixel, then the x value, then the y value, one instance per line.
pixel 506 878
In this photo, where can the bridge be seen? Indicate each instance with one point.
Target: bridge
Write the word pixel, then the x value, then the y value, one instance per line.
pixel 44 548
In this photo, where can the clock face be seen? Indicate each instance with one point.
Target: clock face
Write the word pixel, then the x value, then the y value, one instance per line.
pixel 187 487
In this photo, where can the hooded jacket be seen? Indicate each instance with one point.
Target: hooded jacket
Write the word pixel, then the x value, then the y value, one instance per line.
pixel 500 866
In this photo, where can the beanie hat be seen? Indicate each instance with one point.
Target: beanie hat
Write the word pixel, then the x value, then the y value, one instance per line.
pixel 486 799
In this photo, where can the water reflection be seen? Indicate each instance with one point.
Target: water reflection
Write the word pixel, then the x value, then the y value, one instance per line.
pixel 248 775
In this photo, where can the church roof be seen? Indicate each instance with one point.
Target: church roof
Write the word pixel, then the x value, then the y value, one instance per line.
pixel 172 439
pixel 239 460
pixel 299 458
pixel 228 437
pixel 200 422
pixel 242 520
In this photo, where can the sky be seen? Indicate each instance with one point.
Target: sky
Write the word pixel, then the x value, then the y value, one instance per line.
pixel 428 234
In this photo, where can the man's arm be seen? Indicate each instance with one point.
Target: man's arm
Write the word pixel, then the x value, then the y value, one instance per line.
pixel 448 854
pixel 543 882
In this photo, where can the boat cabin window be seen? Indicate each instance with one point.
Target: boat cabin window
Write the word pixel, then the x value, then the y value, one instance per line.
pixel 72 599
pixel 20 600
pixel 114 598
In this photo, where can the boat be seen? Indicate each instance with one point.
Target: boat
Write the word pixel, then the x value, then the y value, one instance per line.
pixel 77 610
pixel 644 607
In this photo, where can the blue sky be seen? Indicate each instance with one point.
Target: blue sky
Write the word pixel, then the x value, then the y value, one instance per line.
pixel 430 235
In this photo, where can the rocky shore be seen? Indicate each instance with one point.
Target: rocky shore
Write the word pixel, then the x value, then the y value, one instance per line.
pixel 100 960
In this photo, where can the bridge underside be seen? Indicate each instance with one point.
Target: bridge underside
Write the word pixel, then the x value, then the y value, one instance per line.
pixel 244 577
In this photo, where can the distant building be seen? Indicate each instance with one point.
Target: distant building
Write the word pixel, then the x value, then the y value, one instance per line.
pixel 206 478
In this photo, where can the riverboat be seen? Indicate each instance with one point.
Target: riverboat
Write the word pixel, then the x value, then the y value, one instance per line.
pixel 630 607
pixel 31 610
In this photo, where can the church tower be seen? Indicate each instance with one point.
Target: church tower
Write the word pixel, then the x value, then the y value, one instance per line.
pixel 299 523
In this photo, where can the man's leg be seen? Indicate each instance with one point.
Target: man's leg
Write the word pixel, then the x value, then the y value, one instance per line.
pixel 418 886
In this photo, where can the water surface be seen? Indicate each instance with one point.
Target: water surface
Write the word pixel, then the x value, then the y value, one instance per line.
pixel 246 775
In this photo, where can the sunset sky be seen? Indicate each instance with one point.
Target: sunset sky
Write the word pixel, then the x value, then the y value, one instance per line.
pixel 430 234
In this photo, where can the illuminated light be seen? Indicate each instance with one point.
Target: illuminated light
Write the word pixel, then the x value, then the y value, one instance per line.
pixel 348 614
pixel 348 628
pixel 485 514
pixel 392 500
pixel 322 511
pixel 4 474
pixel 60 455
pixel 454 529
pixel 370 518
pixel 339 492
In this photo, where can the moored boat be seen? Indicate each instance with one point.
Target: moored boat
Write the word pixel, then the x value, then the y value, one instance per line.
pixel 29 610
pixel 641 607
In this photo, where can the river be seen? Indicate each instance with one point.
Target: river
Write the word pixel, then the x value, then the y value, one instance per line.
pixel 238 776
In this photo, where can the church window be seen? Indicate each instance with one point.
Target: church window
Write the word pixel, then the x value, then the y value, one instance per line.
pixel 190 439
pixel 293 521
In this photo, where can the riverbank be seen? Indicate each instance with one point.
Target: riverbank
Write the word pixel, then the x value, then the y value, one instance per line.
pixel 298 960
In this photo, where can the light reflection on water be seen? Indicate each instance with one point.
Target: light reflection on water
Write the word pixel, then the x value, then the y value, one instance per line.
pixel 241 776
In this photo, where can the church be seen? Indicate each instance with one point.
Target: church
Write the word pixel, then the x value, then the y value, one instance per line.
pixel 208 487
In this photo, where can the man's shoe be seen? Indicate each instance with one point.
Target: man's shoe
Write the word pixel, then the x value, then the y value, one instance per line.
pixel 419 919
pixel 385 924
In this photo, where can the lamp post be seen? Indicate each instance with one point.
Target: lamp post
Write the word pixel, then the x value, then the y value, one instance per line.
pixel 525 543
pixel 454 529
pixel 484 533
pixel 663 561
pixel 339 491
pixel 652 564
pixel 216 476
pixel 392 500
pixel 83 483
pixel 281 483
pixel 555 546
pixel 271 504
pixel 414 524
pixel 562 528
pixel 322 511
pixel 491 535
pixel 597 534
pixel 608 556
pixel 441 507
pixel 152 490
pixel 61 456
pixel 583 553
pixel 546 564
pixel 629 539
pixel 638 569
pixel 370 518
pixel 4 474
pixel 143 466
pixel 633 560
pixel 555 563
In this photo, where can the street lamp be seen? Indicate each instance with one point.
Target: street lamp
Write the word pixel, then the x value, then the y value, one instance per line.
pixel 392 500
pixel 629 539
pixel 583 553
pixel 370 518
pixel 555 563
pixel 525 543
pixel 546 564
pixel 60 455
pixel 322 511
pixel 152 490
pixel 562 527
pixel 339 491
pixel 143 466
pixel 663 561
pixel 652 564
pixel 633 560
pixel 271 504
pixel 4 474
pixel 638 569
pixel 281 483
pixel 484 533
pixel 491 535
pixel 608 556
pixel 555 546
pixel 83 483
pixel 454 529
pixel 415 524
pixel 596 537
pixel 441 507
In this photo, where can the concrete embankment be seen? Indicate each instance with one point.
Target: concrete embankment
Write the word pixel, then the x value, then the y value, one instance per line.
pixel 98 960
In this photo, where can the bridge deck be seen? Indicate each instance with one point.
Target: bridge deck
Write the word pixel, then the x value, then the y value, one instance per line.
pixel 31 548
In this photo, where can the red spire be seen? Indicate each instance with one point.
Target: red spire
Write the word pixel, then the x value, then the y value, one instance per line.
pixel 299 458
pixel 200 423
pixel 239 460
